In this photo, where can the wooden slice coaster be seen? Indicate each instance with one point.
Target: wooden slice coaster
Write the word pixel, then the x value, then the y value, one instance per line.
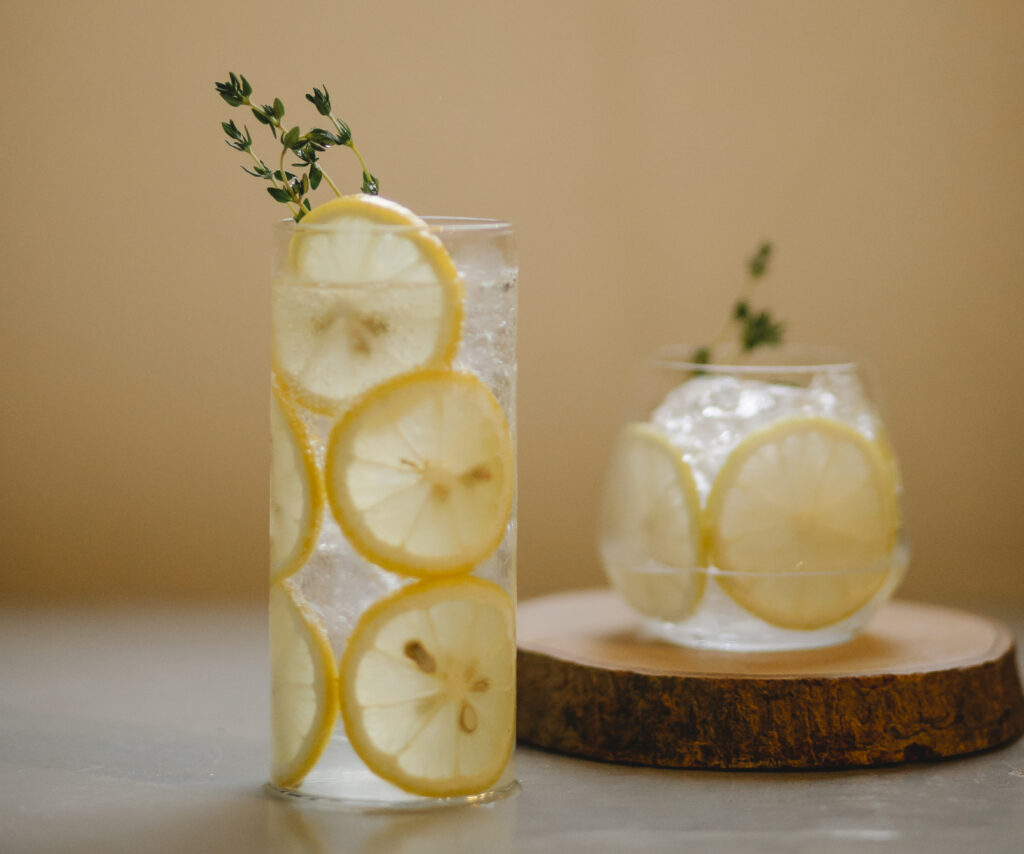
pixel 922 682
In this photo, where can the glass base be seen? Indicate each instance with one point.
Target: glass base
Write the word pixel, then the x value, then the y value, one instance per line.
pixel 412 803
pixel 340 780
pixel 766 640
pixel 720 623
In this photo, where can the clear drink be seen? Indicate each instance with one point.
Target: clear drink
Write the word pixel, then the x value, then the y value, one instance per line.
pixel 754 506
pixel 394 374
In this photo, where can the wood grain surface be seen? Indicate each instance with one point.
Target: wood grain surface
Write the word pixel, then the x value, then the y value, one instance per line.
pixel 922 682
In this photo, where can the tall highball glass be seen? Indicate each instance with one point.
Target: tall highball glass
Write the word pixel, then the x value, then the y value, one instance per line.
pixel 392 517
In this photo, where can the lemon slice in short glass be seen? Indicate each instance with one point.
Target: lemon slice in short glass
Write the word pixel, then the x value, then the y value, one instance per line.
pixel 369 293
pixel 420 474
pixel 651 540
pixel 296 496
pixel 805 513
pixel 304 703
pixel 428 686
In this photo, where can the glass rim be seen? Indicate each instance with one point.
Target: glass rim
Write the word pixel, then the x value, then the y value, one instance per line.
pixel 436 224
pixel 805 359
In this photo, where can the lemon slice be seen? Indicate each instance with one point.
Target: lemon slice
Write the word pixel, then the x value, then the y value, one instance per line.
pixel 362 302
pixel 304 701
pixel 809 505
pixel 428 686
pixel 650 526
pixel 420 474
pixel 296 497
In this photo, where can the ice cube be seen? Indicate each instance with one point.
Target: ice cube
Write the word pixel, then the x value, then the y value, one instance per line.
pixel 488 346
pixel 707 416
pixel 500 566
pixel 339 585
pixel 840 394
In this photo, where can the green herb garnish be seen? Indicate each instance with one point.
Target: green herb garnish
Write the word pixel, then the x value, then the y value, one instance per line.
pixel 755 328
pixel 287 187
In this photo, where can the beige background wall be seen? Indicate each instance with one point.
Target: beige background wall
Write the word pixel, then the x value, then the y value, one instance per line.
pixel 641 148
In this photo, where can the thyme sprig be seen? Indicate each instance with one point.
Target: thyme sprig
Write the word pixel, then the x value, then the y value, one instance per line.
pixel 755 328
pixel 288 187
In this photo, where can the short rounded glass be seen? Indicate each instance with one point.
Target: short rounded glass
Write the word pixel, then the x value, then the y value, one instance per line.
pixel 754 506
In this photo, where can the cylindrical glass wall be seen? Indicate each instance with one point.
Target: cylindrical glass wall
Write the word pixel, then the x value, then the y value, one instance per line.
pixel 392 519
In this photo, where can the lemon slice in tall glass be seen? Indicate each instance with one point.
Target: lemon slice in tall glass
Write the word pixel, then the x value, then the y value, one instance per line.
pixel 304 702
pixel 428 686
pixel 803 518
pixel 420 474
pixel 296 495
pixel 367 293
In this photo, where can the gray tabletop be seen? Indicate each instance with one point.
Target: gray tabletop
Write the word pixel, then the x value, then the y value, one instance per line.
pixel 145 730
